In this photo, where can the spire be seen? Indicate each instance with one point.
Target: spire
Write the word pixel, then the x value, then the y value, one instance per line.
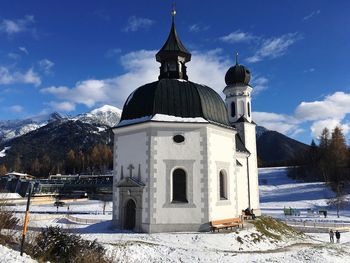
pixel 173 12
pixel 236 57
pixel 173 55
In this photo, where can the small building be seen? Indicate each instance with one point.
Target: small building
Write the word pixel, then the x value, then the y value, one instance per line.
pixel 182 155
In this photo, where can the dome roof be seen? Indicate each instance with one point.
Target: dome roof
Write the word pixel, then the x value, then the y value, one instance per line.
pixel 238 74
pixel 178 98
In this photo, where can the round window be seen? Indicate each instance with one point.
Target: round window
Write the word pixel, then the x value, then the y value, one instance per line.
pixel 178 138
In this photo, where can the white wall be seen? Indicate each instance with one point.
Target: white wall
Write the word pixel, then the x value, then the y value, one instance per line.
pixel 221 151
pixel 166 149
pixel 129 148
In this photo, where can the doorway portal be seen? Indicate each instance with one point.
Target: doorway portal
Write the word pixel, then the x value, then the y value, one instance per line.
pixel 130 215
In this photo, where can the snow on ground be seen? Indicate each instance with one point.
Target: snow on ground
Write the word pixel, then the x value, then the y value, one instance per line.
pixel 11 256
pixel 276 192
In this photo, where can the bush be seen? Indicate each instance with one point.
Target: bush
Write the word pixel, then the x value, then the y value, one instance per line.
pixel 55 245
pixel 8 220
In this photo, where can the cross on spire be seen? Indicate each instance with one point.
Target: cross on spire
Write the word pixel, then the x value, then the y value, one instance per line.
pixel 130 168
pixel 173 55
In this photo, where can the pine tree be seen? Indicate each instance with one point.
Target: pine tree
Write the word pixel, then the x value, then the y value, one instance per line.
pixel 71 162
pixel 35 167
pixel 338 157
pixel 17 164
pixel 324 153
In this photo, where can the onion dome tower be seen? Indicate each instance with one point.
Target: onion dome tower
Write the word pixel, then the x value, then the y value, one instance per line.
pixel 238 102
pixel 238 93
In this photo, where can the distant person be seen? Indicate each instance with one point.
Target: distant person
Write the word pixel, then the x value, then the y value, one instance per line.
pixel 331 236
pixel 337 235
pixel 252 213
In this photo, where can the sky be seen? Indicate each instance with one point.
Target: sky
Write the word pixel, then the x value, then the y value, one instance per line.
pixel 74 56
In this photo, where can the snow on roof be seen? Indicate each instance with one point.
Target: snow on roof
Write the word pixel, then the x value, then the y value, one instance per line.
pixel 160 118
pixel 163 117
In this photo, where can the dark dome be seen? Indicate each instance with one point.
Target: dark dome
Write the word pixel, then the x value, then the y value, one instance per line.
pixel 238 74
pixel 176 98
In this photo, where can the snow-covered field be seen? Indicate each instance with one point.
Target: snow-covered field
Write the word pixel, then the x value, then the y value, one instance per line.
pixel 10 256
pixel 248 245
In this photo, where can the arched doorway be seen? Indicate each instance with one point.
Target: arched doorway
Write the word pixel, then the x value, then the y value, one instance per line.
pixel 130 215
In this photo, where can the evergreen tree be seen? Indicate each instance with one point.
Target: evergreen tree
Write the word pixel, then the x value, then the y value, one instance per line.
pixel 17 164
pixel 71 162
pixel 35 167
pixel 324 152
pixel 338 162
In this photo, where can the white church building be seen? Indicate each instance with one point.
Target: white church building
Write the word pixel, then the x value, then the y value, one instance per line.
pixel 183 156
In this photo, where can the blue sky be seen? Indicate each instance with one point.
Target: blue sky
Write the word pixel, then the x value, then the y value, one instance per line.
pixel 73 56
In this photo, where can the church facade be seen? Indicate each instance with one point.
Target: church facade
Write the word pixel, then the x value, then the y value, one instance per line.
pixel 182 156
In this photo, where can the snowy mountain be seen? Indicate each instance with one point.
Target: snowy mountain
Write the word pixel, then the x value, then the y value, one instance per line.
pixel 10 129
pixel 106 116
pixel 55 134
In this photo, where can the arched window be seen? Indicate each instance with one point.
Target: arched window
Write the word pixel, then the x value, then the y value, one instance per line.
pixel 242 107
pixel 223 185
pixel 248 107
pixel 233 109
pixel 179 186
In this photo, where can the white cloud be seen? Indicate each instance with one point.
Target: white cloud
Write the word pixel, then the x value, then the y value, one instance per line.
pixel 237 37
pixel 46 65
pixel 260 84
pixel 136 23
pixel 317 127
pixel 195 28
pixel 329 112
pixel 141 67
pixel 28 77
pixel 16 108
pixel 334 106
pixel 14 56
pixel 24 50
pixel 277 122
pixel 274 47
pixel 15 26
pixel 312 14
pixel 62 106
pixel 310 70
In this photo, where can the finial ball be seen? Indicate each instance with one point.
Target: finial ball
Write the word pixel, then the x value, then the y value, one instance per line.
pixel 173 12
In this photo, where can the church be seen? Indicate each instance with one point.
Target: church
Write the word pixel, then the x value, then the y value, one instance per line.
pixel 182 155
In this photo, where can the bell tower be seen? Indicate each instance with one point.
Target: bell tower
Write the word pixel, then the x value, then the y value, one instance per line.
pixel 173 55
pixel 238 104
pixel 238 93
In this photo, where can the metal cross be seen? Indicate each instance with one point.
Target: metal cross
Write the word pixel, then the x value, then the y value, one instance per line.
pixel 130 168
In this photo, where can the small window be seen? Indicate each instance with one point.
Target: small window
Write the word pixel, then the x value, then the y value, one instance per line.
pixel 223 185
pixel 233 109
pixel 179 186
pixel 242 106
pixel 248 107
pixel 178 138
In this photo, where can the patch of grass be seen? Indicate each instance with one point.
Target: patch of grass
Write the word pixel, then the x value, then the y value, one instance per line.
pixel 274 229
